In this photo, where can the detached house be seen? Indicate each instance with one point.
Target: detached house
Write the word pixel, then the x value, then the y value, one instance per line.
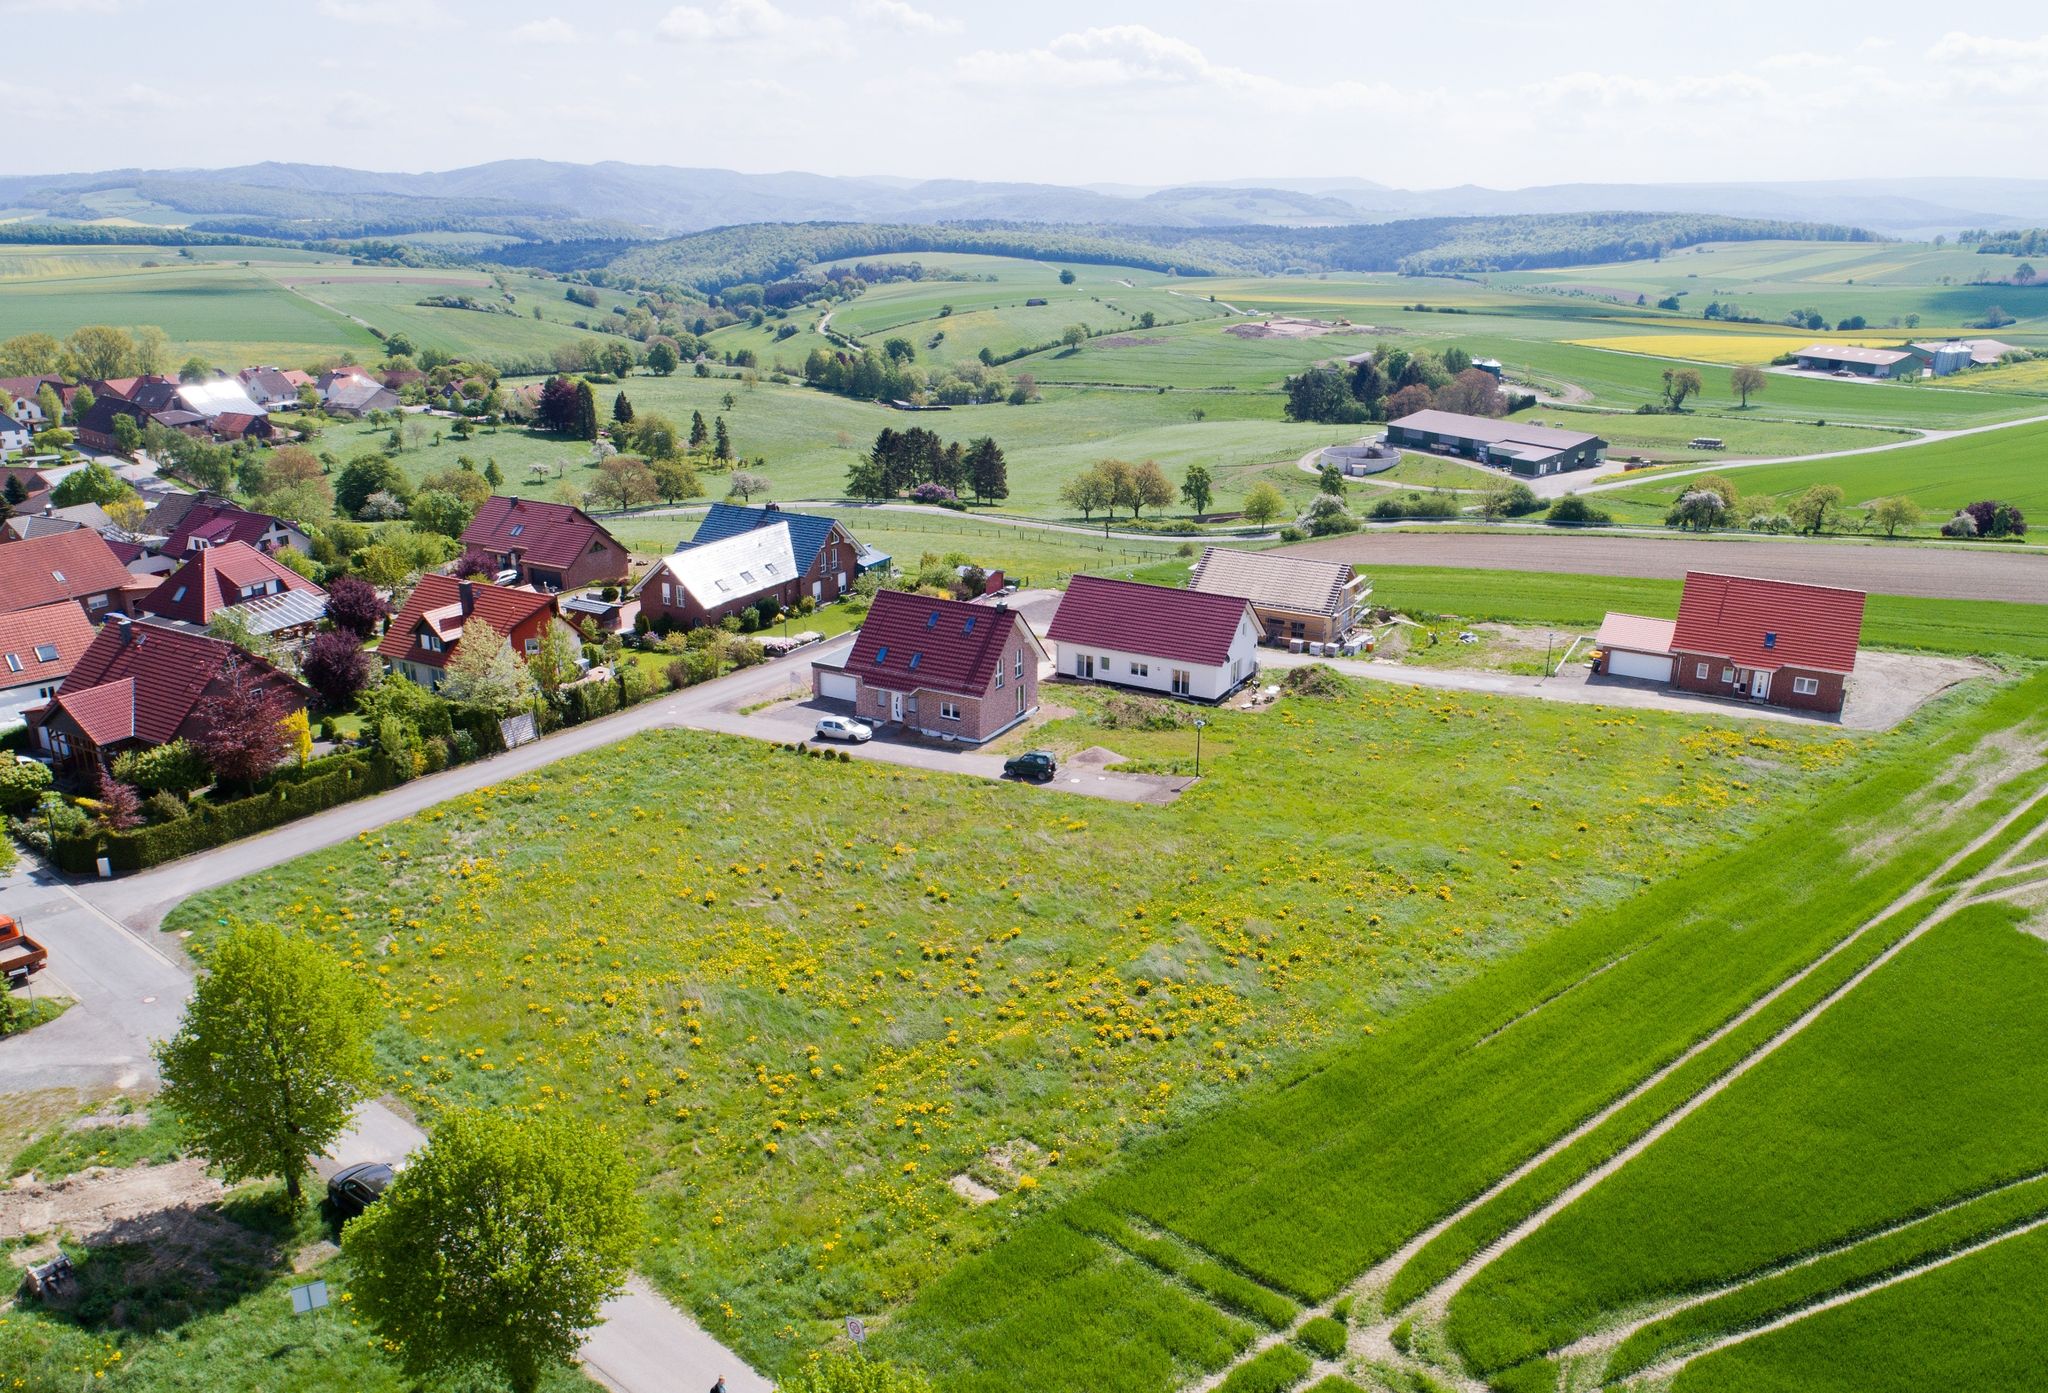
pixel 828 557
pixel 1772 641
pixel 276 602
pixel 1295 598
pixel 1176 642
pixel 75 565
pixel 550 545
pixel 201 525
pixel 353 392
pixel 703 584
pixel 942 668
pixel 38 647
pixel 139 685
pixel 425 635
pixel 14 435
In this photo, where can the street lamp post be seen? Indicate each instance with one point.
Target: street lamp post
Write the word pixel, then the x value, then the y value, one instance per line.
pixel 1200 726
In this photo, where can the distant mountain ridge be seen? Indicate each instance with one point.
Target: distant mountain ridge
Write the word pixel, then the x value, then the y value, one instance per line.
pixel 665 200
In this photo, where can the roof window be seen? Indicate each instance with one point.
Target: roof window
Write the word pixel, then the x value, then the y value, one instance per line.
pixel 882 654
pixel 1770 640
pixel 58 576
pixel 968 627
pixel 45 653
pixel 178 594
pixel 931 621
pixel 14 662
pixel 915 659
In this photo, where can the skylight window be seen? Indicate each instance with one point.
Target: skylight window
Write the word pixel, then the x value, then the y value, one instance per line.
pixel 58 576
pixel 1770 640
pixel 14 662
pixel 178 594
pixel 931 621
pixel 517 528
pixel 968 627
pixel 882 654
pixel 747 576
pixel 722 584
pixel 45 653
pixel 915 659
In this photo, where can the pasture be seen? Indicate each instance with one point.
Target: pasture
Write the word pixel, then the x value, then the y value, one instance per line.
pixel 804 1026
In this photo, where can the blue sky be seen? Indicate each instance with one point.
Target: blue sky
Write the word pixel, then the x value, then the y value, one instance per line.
pixel 1420 95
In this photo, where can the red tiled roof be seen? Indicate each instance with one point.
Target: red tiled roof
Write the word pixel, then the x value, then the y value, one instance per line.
pixel 549 534
pixel 217 524
pixel 60 566
pixel 214 579
pixel 437 600
pixel 1188 626
pixel 62 625
pixel 143 681
pixel 908 642
pixel 1769 624
pixel 237 423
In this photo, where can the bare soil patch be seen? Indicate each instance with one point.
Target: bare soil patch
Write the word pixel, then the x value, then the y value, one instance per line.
pixel 99 1201
pixel 1129 341
pixel 1286 327
pixel 1959 574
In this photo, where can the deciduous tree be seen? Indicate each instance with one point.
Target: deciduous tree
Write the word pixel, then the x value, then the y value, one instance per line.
pixel 241 734
pixel 273 1055
pixel 354 604
pixel 98 350
pixel 1680 383
pixel 1893 513
pixel 746 484
pixel 496 1248
pixel 95 483
pixel 1149 487
pixel 1748 381
pixel 1811 509
pixel 486 672
pixel 1196 489
pixel 1263 503
pixel 30 355
pixel 1087 493
pixel 337 666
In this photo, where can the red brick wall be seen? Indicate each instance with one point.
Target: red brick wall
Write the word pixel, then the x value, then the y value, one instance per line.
pixel 981 717
pixel 686 613
pixel 1829 697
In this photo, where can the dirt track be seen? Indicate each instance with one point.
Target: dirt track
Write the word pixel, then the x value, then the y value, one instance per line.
pixel 1960 574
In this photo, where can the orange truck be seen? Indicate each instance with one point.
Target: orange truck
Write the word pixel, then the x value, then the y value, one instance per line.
pixel 20 955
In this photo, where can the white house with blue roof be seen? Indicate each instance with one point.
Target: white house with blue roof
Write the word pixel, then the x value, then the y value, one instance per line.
pixel 827 556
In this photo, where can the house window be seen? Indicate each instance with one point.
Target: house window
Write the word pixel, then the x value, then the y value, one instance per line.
pixel 1018 670
pixel 1181 681
pixel 532 647
pixel 999 676
pixel 1806 686
pixel 1727 674
pixel 48 691
pixel 96 602
pixel 664 592
pixel 1141 669
pixel 1020 701
pixel 1770 640
pixel 949 711
pixel 45 653
pixel 1700 672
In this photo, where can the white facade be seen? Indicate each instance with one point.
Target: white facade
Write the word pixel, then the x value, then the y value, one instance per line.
pixel 1166 676
pixel 16 701
pixel 13 435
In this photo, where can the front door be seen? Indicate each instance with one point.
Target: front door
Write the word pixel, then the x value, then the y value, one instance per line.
pixel 1084 665
pixel 1760 685
pixel 895 706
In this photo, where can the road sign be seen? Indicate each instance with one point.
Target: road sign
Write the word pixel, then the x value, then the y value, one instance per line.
pixel 855 1330
pixel 308 1298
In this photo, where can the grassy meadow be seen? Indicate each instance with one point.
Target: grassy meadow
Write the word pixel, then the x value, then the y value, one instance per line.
pixel 803 1026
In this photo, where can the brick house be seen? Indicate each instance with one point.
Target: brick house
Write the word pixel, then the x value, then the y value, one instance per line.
pixel 424 636
pixel 275 601
pixel 1293 596
pixel 1153 638
pixel 828 557
pixel 551 545
pixel 1771 641
pixel 139 685
pixel 942 668
pixel 75 565
pixel 703 584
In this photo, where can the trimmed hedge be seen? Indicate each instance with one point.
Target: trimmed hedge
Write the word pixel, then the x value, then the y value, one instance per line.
pixel 343 779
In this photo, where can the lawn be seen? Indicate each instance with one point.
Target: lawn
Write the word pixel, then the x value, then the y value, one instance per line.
pixel 805 1024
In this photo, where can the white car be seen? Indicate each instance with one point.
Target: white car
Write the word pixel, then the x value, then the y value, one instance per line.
pixel 843 728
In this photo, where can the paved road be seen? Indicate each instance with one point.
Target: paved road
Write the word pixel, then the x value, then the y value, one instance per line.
pixel 1962 573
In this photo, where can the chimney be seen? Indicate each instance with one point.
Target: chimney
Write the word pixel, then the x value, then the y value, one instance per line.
pixel 468 594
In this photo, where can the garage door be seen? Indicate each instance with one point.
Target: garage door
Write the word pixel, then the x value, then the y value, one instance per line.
pixel 838 686
pixel 1651 667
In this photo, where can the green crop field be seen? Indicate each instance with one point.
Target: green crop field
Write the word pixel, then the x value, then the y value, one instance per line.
pixel 804 1027
pixel 1941 475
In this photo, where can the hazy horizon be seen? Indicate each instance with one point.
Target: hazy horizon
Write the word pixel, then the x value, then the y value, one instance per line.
pixel 1055 92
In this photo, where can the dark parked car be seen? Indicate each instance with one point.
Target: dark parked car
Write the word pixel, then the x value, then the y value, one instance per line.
pixel 353 1189
pixel 1038 766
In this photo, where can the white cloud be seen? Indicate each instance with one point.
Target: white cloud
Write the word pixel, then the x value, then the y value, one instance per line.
pixel 552 30
pixel 400 15
pixel 1132 57
pixel 907 17
pixel 728 20
pixel 1958 47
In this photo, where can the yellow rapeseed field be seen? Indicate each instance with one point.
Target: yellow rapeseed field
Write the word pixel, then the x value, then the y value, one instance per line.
pixel 1726 347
